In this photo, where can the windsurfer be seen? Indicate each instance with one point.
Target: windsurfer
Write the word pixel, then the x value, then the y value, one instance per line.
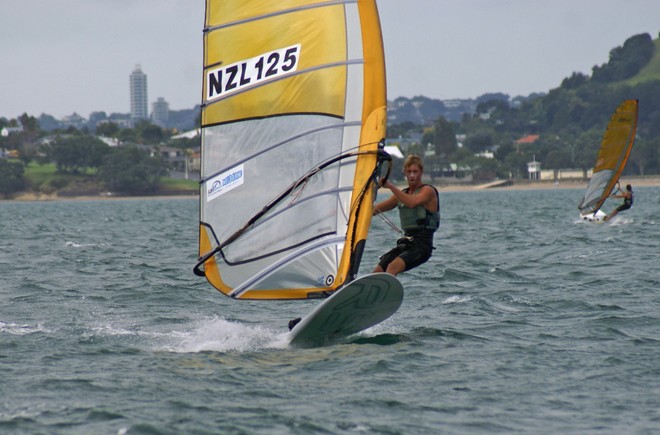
pixel 628 199
pixel 419 210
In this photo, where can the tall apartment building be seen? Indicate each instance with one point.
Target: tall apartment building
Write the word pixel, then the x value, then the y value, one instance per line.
pixel 160 112
pixel 139 105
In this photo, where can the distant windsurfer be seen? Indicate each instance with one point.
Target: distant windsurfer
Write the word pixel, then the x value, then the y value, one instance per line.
pixel 628 199
pixel 419 210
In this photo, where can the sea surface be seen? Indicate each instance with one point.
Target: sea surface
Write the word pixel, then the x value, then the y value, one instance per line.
pixel 525 320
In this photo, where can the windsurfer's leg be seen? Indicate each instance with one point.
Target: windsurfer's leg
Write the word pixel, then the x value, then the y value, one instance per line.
pixel 396 266
pixel 611 215
pixel 386 259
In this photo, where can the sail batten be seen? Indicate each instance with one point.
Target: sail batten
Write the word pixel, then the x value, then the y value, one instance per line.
pixel 312 5
pixel 613 155
pixel 342 125
pixel 293 116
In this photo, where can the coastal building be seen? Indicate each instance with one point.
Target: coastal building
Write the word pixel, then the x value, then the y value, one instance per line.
pixel 534 169
pixel 138 88
pixel 526 140
pixel 6 131
pixel 160 112
pixel 74 120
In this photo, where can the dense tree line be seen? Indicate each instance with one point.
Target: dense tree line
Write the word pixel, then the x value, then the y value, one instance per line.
pixel 11 176
pixel 627 60
pixel 569 120
pixel 126 169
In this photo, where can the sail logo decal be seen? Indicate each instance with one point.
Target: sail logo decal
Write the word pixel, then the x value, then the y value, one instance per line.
pixel 250 72
pixel 223 183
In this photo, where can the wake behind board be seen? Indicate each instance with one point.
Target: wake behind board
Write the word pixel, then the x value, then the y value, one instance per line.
pixel 598 217
pixel 361 304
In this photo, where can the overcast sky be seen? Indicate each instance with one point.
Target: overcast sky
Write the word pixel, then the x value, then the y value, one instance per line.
pixel 65 56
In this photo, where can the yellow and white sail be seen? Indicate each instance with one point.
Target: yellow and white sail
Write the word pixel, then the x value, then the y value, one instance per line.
pixel 612 157
pixel 293 111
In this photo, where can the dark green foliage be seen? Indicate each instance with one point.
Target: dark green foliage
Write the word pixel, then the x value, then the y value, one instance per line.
pixel 493 96
pixel 627 60
pixel 74 154
pixel 11 176
pixel 185 143
pixel 130 170
pixel 48 122
pixel 399 130
pixel 442 137
pixel 148 133
pixel 574 81
pixel 108 129
pixel 479 141
pixel 645 156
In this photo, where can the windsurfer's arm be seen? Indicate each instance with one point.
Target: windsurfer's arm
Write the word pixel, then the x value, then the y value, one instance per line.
pixel 386 205
pixel 424 197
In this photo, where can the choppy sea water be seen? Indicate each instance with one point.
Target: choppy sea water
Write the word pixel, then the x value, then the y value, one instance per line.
pixel 525 320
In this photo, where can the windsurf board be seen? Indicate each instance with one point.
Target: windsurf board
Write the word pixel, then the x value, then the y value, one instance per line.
pixel 364 302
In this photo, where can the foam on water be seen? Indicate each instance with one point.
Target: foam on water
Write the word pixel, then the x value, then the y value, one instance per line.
pixel 72 244
pixel 220 335
pixel 17 329
pixel 458 299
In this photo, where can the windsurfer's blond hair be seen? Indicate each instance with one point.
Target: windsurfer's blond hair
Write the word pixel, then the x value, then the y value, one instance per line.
pixel 412 159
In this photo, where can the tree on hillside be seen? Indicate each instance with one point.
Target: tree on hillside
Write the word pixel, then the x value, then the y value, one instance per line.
pixel 516 163
pixel 131 170
pixel 587 146
pixel 29 123
pixel 127 135
pixel 442 137
pixel 73 154
pixel 478 142
pixel 149 133
pixel 107 129
pixel 645 155
pixel 11 176
pixel 558 159
pixel 576 80
pixel 401 129
pixel 48 122
pixel 485 169
pixel 186 143
pixel 627 60
pixel 25 141
pixel 493 105
pixel 649 107
pixel 493 96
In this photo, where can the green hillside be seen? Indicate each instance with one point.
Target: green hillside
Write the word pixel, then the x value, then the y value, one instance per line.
pixel 649 72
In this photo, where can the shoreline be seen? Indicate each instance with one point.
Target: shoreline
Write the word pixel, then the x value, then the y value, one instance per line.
pixel 42 197
pixel 638 181
pixel 650 180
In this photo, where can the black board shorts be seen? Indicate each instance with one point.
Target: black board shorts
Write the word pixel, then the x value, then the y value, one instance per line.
pixel 413 252
pixel 623 207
